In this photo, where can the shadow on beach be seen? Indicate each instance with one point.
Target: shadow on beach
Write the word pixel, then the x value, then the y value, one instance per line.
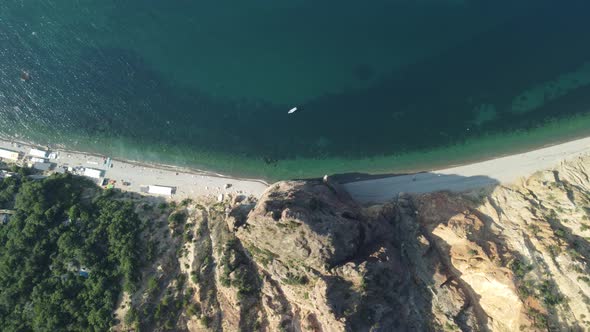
pixel 359 176
pixel 383 189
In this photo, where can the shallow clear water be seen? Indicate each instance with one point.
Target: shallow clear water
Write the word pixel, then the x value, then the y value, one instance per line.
pixel 385 86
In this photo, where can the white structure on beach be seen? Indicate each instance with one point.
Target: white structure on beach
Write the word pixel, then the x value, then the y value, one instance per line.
pixel 9 154
pixel 161 190
pixel 38 153
pixel 93 173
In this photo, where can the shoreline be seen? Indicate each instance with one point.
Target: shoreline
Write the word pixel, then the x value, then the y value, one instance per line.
pixel 496 171
pixel 183 169
pixel 193 182
pixel 479 148
pixel 189 183
pixel 359 177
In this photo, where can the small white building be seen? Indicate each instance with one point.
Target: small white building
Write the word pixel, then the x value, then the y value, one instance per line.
pixel 6 174
pixel 38 153
pixel 161 190
pixel 37 160
pixel 9 154
pixel 93 173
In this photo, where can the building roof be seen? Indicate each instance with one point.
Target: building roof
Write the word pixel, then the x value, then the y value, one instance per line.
pixel 161 190
pixel 6 174
pixel 38 153
pixel 42 166
pixel 93 173
pixel 9 154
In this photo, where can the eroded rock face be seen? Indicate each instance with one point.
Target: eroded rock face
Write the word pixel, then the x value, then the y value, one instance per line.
pixel 520 253
pixel 506 259
pixel 339 266
pixel 308 223
pixel 305 257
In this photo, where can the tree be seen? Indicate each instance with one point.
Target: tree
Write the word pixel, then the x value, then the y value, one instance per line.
pixel 41 255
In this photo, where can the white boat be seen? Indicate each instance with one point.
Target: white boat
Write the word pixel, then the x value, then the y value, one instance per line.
pixel 292 110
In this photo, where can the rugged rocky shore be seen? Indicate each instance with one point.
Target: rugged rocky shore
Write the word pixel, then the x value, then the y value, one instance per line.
pixel 306 257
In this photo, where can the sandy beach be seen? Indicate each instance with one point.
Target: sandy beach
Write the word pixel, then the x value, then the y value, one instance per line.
pixel 188 183
pixel 195 183
pixel 502 170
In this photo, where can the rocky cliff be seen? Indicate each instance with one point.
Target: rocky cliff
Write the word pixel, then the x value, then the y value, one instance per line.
pixel 306 257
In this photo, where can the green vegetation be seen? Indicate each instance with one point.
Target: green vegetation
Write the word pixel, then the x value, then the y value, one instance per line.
pixel 205 320
pixel 584 279
pixel 193 309
pixel 152 286
pixel 550 294
pixel 560 233
pixel 167 309
pixel 242 276
pixel 451 327
pixel 553 250
pixel 526 289
pixel 539 320
pixel 62 225
pixel 186 202
pixel 188 232
pixel 575 254
pixel 195 276
pixel 131 317
pixel 8 189
pixel 264 256
pixel 176 218
pixel 290 225
pixel 534 229
pixel 151 250
pixel 292 279
pixel 519 268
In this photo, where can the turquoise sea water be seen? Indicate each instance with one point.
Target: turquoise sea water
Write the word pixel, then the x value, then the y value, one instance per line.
pixel 381 86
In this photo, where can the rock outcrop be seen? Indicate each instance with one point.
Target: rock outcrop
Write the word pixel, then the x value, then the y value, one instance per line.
pixel 520 253
pixel 325 253
pixel 306 257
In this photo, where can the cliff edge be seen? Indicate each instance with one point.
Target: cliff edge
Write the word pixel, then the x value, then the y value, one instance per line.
pixel 306 257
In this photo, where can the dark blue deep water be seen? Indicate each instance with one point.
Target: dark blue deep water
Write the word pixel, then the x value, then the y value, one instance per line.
pixel 384 85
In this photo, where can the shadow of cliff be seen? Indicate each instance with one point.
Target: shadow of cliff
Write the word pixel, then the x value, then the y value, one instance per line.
pixel 405 279
pixel 471 312
pixel 249 283
pixel 444 208
pixel 384 189
pixel 343 178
